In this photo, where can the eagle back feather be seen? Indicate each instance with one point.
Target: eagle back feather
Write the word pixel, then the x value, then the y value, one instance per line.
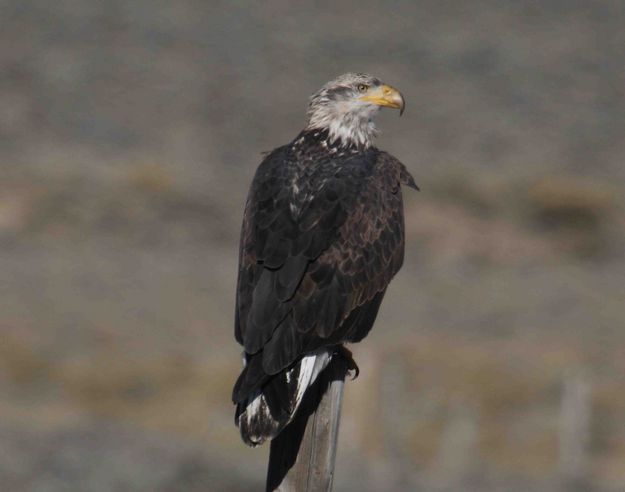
pixel 322 234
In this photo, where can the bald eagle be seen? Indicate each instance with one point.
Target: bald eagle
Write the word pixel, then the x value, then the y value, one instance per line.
pixel 322 237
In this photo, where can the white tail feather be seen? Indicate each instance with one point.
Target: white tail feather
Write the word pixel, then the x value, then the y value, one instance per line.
pixel 257 416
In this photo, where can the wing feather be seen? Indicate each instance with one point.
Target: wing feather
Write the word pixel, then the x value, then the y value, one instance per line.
pixel 317 277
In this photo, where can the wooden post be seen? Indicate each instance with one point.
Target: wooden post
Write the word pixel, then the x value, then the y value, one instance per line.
pixel 575 421
pixel 301 458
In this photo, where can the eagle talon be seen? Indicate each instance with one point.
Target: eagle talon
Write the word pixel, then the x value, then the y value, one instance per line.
pixel 346 354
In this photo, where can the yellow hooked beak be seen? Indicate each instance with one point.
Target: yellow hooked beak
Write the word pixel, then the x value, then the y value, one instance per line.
pixel 387 96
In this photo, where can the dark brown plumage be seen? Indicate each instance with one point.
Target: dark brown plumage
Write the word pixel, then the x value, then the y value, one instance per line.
pixel 322 236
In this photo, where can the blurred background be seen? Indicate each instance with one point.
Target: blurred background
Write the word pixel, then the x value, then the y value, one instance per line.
pixel 129 134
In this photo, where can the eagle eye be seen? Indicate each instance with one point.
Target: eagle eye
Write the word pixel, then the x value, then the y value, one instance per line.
pixel 362 87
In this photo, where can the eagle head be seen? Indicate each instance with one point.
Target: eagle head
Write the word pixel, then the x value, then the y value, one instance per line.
pixel 346 105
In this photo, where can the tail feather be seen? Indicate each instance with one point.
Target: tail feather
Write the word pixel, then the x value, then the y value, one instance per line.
pixel 271 407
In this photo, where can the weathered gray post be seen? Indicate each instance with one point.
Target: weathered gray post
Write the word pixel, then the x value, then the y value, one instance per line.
pixel 301 458
pixel 575 422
